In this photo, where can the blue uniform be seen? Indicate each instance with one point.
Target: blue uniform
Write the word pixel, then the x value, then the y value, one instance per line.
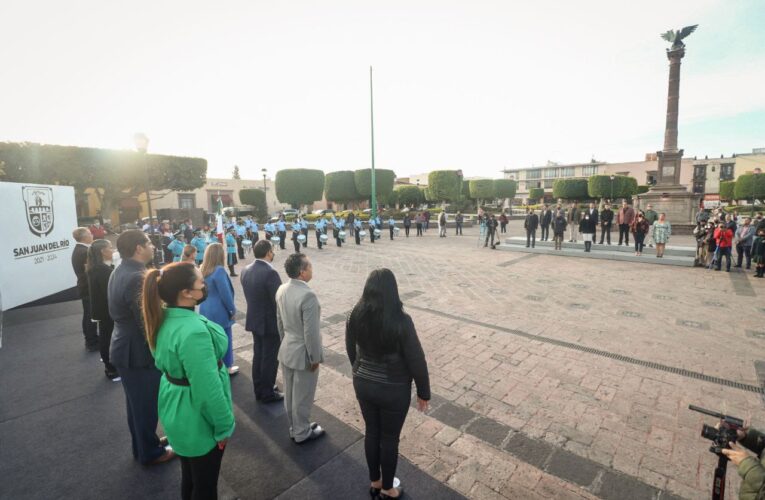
pixel 241 229
pixel 391 226
pixel 200 244
pixel 176 246
pixel 281 226
pixel 231 249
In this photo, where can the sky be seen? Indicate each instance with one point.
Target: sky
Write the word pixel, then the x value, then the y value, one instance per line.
pixel 474 85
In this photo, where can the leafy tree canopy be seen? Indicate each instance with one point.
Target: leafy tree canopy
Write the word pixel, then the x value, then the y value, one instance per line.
pixel 570 189
pixel 727 190
pixel 482 189
pixel 340 187
pixel 505 188
pixel 536 193
pixel 257 199
pixel 599 186
pixel 410 195
pixel 299 186
pixel 748 186
pixel 444 185
pixel 383 181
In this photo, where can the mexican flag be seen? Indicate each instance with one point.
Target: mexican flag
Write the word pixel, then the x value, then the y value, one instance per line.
pixel 219 220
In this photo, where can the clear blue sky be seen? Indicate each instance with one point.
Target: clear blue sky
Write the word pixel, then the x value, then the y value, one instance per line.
pixel 478 85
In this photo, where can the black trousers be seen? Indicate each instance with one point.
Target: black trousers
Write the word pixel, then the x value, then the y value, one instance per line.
pixel 545 232
pixel 141 386
pixel 357 236
pixel 406 231
pixel 605 231
pixel 639 242
pixel 742 251
pixel 305 233
pixel 503 228
pixel 458 229
pixel 391 232
pixel 419 229
pixel 105 329
pixel 199 475
pixel 531 237
pixel 297 245
pixel 371 235
pixel 282 238
pixel 89 329
pixel 318 238
pixel 265 350
pixel 384 408
pixel 490 234
pixel 624 232
pixel 239 249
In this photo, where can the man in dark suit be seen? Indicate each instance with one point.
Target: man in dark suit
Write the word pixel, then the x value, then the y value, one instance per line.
pixel 130 353
pixel 84 238
pixel 545 222
pixel 260 281
pixel 606 218
pixel 531 224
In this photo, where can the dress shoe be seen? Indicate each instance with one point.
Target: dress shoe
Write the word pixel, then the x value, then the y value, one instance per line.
pixel 400 494
pixel 315 434
pixel 168 455
pixel 277 396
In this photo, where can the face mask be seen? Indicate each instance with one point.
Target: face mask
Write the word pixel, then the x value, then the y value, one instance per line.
pixel 204 294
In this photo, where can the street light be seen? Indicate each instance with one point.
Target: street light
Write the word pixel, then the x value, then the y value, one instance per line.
pixel 141 142
pixel 612 188
pixel 265 195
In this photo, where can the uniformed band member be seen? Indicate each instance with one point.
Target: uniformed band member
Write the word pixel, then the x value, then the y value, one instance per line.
pixel 319 231
pixel 391 226
pixel 356 228
pixel 231 251
pixel 296 231
pixel 281 226
pixel 372 228
pixel 304 230
pixel 269 230
pixel 339 226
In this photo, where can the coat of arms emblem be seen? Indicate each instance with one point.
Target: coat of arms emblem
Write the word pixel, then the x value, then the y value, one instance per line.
pixel 39 202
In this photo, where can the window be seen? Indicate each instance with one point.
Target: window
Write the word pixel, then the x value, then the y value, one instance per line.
pixel 650 178
pixel 726 172
pixel 700 172
pixel 548 183
pixel 567 172
pixel 186 201
pixel 698 187
pixel 589 170
pixel 551 172
pixel 533 174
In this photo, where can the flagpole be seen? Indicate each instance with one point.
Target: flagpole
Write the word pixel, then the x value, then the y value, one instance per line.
pixel 372 119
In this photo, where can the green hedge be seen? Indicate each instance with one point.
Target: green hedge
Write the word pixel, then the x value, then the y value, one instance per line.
pixel 727 190
pixel 643 189
pixel 570 189
pixel 748 184
pixel 600 186
pixel 505 188
pixel 536 193
pixel 482 189
pixel 443 185
pixel 299 186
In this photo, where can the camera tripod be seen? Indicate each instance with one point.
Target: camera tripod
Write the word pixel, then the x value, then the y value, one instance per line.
pixel 718 482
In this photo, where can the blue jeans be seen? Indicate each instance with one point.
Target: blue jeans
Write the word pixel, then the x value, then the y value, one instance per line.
pixel 723 252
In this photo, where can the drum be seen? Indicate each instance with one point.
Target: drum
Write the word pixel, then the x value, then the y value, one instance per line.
pixel 341 235
pixel 362 234
pixel 377 233
pixel 275 240
pixel 301 238
pixel 323 238
pixel 246 243
pixel 395 231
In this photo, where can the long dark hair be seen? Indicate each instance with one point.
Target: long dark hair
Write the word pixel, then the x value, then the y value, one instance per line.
pixel 379 316
pixel 95 254
pixel 163 287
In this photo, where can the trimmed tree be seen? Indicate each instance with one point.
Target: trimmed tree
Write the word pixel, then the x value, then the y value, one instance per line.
pixel 113 175
pixel 727 190
pixel 505 188
pixel 643 189
pixel 536 193
pixel 481 189
pixel 749 186
pixel 340 187
pixel 257 199
pixel 410 195
pixel 570 189
pixel 299 186
pixel 444 185
pixel 383 182
pixel 600 186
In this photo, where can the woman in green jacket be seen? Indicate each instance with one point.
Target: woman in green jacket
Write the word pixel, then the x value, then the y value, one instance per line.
pixel 195 392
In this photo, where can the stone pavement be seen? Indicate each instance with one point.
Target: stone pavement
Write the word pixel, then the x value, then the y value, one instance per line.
pixel 554 374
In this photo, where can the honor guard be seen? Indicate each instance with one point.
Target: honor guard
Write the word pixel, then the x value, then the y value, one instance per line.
pixel 281 227
pixel 391 226
pixel 304 230
pixel 356 229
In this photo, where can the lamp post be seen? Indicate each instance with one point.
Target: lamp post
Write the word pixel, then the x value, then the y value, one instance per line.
pixel 612 189
pixel 265 194
pixel 373 213
pixel 141 142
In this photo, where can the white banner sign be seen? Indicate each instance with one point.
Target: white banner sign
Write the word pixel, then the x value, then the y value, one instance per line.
pixel 36 247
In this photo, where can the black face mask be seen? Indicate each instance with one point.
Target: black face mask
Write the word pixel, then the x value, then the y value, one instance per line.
pixel 204 294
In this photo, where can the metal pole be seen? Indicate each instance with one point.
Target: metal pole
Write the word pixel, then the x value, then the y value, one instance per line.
pixel 372 119
pixel 148 204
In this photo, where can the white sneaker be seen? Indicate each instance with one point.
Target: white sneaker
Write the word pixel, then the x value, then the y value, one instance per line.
pixel 233 370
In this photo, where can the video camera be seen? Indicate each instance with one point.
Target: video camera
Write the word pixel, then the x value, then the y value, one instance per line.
pixel 721 437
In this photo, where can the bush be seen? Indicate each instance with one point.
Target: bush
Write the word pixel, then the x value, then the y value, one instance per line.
pixel 643 189
pixel 600 186
pixel 299 186
pixel 570 189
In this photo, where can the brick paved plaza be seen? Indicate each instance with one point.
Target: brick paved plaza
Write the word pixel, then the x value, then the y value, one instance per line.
pixel 553 377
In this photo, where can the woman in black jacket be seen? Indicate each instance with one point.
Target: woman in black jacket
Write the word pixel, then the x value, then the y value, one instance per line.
pixel 98 268
pixel 386 355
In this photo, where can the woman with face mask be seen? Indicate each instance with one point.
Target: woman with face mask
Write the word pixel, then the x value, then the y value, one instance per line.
pixel 219 306
pixel 195 391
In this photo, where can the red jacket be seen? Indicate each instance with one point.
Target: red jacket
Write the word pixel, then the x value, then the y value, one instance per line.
pixel 724 237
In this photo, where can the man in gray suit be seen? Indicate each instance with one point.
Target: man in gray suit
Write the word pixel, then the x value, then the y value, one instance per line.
pixel 298 316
